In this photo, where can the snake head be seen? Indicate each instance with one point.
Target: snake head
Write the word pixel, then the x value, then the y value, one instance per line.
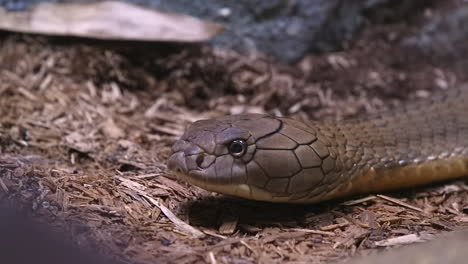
pixel 213 154
pixel 252 156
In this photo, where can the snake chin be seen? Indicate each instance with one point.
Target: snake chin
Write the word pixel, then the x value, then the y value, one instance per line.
pixel 238 190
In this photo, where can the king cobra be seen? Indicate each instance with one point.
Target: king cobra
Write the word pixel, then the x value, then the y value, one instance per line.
pixel 277 159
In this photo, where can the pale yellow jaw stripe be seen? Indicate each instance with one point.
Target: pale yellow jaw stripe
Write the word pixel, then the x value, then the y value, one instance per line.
pixel 372 181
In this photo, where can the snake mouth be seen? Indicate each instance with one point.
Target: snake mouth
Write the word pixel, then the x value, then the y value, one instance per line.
pixel 177 163
pixel 188 166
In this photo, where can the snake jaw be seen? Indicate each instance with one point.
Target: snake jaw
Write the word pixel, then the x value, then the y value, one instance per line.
pixel 200 177
pixel 177 163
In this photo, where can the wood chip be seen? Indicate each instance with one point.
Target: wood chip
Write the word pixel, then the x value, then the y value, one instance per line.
pixel 3 186
pixel 169 131
pixel 403 240
pixel 369 219
pixel 389 219
pixel 27 94
pixel 110 129
pixel 140 189
pixel 333 227
pixel 440 224
pixel 461 219
pixel 284 235
pixel 228 224
pixel 212 258
pixel 354 234
pixel 226 242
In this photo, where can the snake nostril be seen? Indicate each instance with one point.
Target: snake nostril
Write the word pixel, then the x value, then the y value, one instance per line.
pixel 199 160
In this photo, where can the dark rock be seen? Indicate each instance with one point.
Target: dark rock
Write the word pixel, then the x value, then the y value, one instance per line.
pixel 24 240
pixel 284 29
pixel 444 36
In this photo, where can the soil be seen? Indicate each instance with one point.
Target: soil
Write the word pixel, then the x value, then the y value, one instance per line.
pixel 86 128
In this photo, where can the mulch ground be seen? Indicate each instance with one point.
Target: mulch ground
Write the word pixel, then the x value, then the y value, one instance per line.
pixel 86 128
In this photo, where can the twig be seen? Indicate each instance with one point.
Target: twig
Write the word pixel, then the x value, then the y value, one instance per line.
pixel 359 201
pixel 317 232
pixel 214 234
pixel 147 176
pixel 247 246
pixel 179 223
pixel 398 202
pixel 212 258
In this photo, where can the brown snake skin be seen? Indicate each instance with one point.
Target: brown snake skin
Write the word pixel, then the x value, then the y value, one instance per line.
pixel 283 160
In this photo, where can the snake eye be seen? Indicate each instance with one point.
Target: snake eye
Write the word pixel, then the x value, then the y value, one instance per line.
pixel 237 148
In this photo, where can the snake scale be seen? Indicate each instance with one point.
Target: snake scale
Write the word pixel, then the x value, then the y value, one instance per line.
pixel 275 159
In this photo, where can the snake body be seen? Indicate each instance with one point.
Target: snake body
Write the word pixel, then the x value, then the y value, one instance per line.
pixel 268 158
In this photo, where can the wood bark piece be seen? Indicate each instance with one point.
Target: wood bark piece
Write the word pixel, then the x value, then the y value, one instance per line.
pixel 110 20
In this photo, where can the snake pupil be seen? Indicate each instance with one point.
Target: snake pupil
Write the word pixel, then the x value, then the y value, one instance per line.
pixel 237 147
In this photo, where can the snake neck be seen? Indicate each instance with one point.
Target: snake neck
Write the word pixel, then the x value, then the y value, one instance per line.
pixel 400 148
pixel 425 131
